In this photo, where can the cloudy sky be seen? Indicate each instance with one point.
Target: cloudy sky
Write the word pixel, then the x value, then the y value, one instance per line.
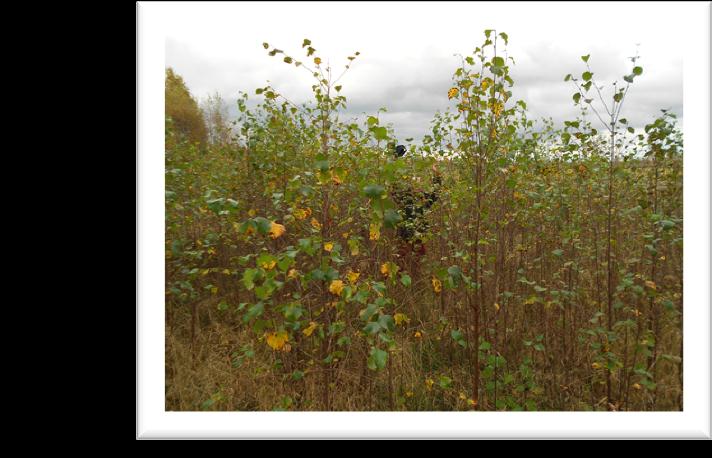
pixel 408 52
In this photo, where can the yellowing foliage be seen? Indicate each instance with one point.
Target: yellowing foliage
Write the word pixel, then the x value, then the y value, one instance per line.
pixel 385 269
pixel 277 340
pixel 374 232
pixel 400 318
pixel 352 277
pixel 336 287
pixel 268 265
pixel 276 230
pixel 309 330
pixel 437 285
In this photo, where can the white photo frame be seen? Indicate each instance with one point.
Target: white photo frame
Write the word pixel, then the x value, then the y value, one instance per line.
pixel 154 422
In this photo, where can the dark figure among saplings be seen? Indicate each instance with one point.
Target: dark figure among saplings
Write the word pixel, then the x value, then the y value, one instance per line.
pixel 413 203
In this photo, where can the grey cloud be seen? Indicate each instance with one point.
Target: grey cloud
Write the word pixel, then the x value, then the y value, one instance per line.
pixel 412 85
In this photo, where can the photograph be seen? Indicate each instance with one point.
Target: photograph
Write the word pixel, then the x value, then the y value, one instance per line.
pixel 451 208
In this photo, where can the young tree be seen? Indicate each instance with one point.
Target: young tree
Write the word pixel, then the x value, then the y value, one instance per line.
pixel 216 119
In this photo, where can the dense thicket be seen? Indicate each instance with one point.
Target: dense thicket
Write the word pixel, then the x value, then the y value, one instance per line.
pixel 551 278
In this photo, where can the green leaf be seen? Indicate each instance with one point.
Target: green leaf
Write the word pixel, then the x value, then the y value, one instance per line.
pixel 374 191
pixel 457 336
pixel 386 322
pixel 372 328
pixel 585 58
pixel 380 133
pixel 637 71
pixel 263 225
pixel 405 280
pixel 293 312
pixel 445 382
pixel 391 218
pixel 368 312
pixel 297 375
pixel 377 359
pixel 577 97
pixel 455 272
pixel 254 311
pixel 497 61
pixel 587 76
pixel 667 224
pixel 248 278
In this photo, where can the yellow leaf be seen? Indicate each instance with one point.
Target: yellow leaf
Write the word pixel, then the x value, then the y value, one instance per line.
pixel 310 329
pixel 385 269
pixel 268 265
pixel 637 386
pixel 328 246
pixel 471 402
pixel 276 230
pixel 226 271
pixel 596 365
pixel 336 287
pixel 374 232
pixel 437 285
pixel 315 224
pixel 276 340
pixel 408 394
pixel 335 179
pixel 452 92
pixel 353 277
pixel 317 60
pixel 429 383
pixel 496 306
pixel 251 212
pixel 651 284
pixel 300 213
pixel 400 318
pixel 462 396
pixel 293 273
pixel 417 335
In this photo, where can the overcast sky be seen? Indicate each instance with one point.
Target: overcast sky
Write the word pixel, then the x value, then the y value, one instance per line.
pixel 407 52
